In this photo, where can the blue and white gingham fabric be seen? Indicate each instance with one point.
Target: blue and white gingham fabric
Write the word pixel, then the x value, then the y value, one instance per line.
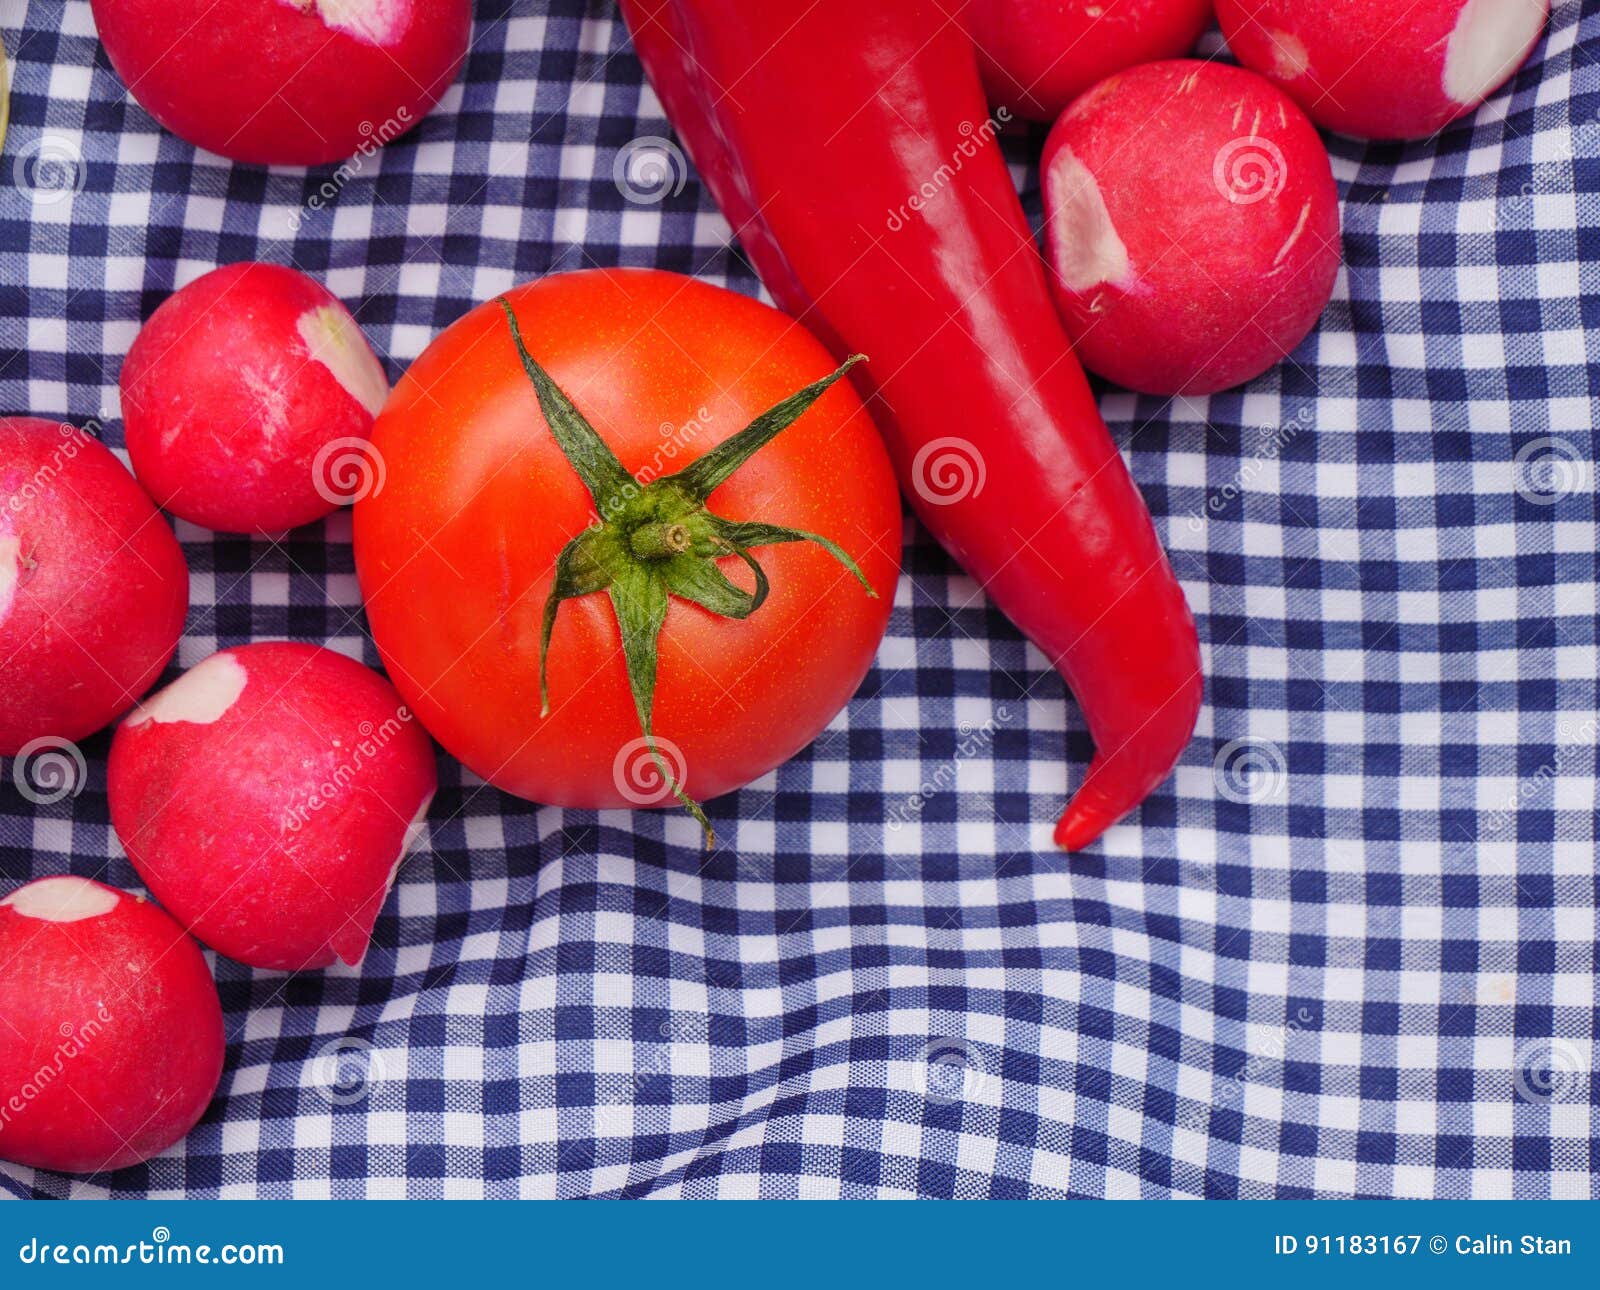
pixel 1349 949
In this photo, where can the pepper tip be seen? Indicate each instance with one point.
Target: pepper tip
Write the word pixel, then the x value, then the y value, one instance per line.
pixel 1081 825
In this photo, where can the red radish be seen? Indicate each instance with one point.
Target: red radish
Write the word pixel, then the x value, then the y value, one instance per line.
pixel 267 798
pixel 1039 55
pixel 93 586
pixel 247 401
pixel 110 1030
pixel 1382 70
pixel 1192 224
pixel 286 82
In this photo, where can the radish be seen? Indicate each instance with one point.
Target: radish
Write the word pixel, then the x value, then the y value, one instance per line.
pixel 286 82
pixel 111 1039
pixel 268 796
pixel 1192 224
pixel 1379 70
pixel 248 399
pixel 93 586
pixel 1038 55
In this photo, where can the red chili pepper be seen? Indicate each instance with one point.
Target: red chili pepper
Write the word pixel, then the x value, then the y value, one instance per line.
pixel 849 145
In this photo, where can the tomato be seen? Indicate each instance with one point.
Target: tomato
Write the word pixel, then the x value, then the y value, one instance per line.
pixel 457 552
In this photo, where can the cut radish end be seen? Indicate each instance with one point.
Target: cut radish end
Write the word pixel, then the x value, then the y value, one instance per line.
pixel 1088 251
pixel 66 899
pixel 1376 69
pixel 202 695
pixel 10 571
pixel 378 22
pixel 333 338
pixel 1490 40
pixel 351 945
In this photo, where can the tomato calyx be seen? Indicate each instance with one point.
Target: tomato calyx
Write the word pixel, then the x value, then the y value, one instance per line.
pixel 658 540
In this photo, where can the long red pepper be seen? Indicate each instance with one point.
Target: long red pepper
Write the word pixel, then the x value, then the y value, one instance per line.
pixel 849 145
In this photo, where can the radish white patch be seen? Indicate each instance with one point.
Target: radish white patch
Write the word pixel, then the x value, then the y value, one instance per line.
pixel 378 22
pixel 334 340
pixel 1088 251
pixel 1489 42
pixel 414 831
pixel 201 696
pixel 10 572
pixel 65 899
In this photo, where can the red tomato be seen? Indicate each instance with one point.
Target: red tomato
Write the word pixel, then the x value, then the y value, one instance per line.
pixel 456 552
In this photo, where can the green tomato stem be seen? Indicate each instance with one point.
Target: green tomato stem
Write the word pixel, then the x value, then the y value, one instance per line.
pixel 659 540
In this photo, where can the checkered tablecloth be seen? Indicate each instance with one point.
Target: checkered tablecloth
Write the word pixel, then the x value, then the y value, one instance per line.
pixel 1348 949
